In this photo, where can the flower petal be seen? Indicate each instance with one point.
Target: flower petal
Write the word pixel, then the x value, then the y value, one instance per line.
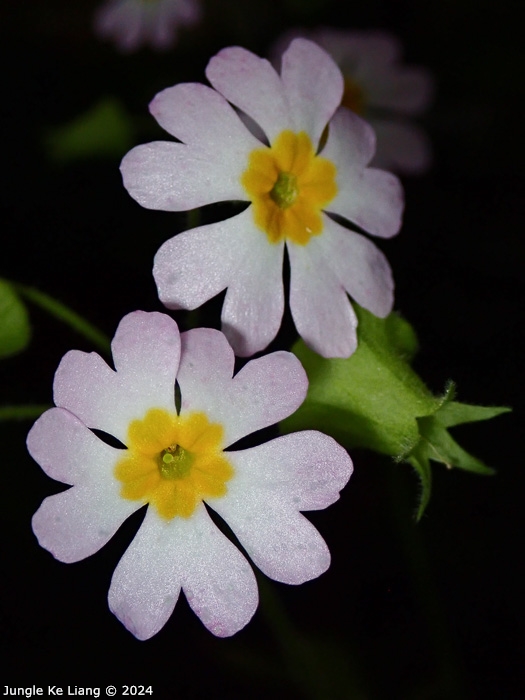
pixel 369 53
pixel 201 117
pixel 303 471
pixel 68 451
pixel 372 199
pixel 370 50
pixel 177 177
pixel 196 265
pixel 262 393
pixel 134 23
pixel 190 553
pixel 252 85
pixel 76 523
pixel 372 59
pixel 124 21
pixel 313 84
pixel 266 390
pixel 161 34
pixel 166 18
pixel 148 343
pixel 254 304
pixel 206 369
pixel 359 266
pixel 402 147
pixel 146 350
pixel 351 142
pixel 279 540
pixel 322 313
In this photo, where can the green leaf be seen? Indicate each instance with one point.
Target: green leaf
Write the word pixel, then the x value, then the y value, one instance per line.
pixel 15 331
pixel 105 130
pixel 372 398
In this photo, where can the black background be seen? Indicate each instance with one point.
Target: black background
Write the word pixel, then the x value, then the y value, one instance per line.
pixel 406 612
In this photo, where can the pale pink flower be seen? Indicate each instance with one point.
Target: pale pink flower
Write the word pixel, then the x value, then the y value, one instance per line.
pixel 132 24
pixel 293 184
pixel 176 462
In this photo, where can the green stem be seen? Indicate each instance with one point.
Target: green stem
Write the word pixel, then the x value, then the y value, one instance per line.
pixel 22 412
pixel 65 314
pixel 446 654
pixel 318 667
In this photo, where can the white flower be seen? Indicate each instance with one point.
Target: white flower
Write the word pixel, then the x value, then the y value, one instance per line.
pixel 134 23
pixel 290 185
pixel 382 90
pixel 176 462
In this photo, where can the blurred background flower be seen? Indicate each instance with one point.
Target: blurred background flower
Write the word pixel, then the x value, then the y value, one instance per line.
pixel 132 24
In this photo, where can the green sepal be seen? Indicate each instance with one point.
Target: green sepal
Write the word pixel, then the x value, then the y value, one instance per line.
pixel 375 400
pixel 15 331
pixel 105 130
pixel 454 413
pixel 443 448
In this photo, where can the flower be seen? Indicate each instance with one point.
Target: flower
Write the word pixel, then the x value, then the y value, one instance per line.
pixel 134 23
pixel 176 461
pixel 382 91
pixel 291 183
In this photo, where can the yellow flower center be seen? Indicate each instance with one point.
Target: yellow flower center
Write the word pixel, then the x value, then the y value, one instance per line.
pixel 173 462
pixel 289 185
pixel 354 97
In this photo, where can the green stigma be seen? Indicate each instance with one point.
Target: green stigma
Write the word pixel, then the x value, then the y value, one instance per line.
pixel 175 462
pixel 285 191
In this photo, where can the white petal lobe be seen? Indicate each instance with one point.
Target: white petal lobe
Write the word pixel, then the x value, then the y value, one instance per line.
pixel 177 177
pixel 76 523
pixel 188 553
pixel 319 304
pixel 146 351
pixel 313 84
pixel 264 392
pixel 252 84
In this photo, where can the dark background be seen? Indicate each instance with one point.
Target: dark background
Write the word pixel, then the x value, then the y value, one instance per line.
pixel 406 612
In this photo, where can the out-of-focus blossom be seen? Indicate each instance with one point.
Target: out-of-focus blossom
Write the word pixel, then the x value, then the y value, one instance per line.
pixel 293 184
pixel 175 461
pixel 132 24
pixel 382 90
